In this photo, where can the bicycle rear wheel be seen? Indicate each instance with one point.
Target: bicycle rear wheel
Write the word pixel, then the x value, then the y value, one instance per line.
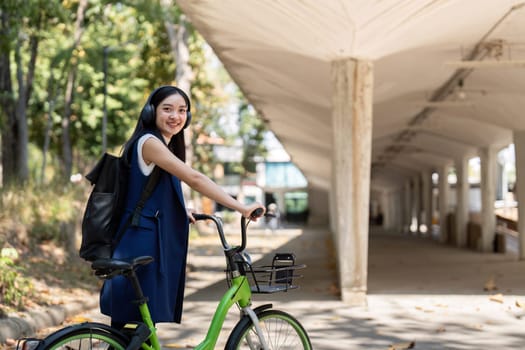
pixel 280 330
pixel 92 338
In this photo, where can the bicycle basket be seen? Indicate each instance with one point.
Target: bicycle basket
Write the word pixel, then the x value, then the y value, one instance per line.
pixel 277 277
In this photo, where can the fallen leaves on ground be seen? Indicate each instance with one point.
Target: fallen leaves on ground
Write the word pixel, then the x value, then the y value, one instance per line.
pixel 79 319
pixel 477 327
pixel 420 308
pixel 521 309
pixel 402 346
pixel 490 285
pixel 334 289
pixel 497 298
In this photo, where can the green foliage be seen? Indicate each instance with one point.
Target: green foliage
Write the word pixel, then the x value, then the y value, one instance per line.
pixel 123 53
pixel 13 286
pixel 112 33
pixel 251 131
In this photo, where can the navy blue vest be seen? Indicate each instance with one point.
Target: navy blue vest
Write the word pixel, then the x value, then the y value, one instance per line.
pixel 163 234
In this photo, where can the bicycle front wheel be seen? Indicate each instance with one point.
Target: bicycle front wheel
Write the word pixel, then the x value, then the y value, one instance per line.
pixel 85 338
pixel 279 329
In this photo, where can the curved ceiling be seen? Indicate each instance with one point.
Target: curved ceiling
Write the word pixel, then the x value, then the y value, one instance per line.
pixel 449 76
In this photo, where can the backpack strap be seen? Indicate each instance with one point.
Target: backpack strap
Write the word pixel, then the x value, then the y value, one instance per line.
pixel 146 192
pixel 153 180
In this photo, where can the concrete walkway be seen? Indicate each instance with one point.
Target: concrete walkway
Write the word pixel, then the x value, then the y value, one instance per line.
pixel 419 291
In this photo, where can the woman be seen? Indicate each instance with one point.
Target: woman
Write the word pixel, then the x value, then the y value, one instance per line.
pixel 162 231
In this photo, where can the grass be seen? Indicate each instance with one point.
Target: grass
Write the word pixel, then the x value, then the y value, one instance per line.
pixel 38 226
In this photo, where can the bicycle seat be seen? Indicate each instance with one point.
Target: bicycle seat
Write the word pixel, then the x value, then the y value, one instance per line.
pixel 109 268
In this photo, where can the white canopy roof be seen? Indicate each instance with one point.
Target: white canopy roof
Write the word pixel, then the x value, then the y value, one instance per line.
pixel 280 54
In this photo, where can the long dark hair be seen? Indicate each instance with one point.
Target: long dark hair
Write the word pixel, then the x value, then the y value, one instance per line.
pixel 176 145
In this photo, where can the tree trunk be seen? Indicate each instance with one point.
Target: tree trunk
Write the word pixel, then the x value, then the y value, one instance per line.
pixel 178 38
pixel 8 118
pixel 67 151
pixel 24 91
pixel 47 136
pixel 183 73
pixel 183 77
pixel 21 119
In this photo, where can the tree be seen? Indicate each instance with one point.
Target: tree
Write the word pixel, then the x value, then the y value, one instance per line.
pixel 251 131
pixel 55 89
pixel 9 134
pixel 67 152
pixel 21 27
pixel 178 38
pixel 73 72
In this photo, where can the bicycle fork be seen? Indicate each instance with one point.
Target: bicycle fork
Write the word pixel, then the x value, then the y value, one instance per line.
pixel 255 320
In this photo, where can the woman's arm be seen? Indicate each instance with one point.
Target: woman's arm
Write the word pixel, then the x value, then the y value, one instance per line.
pixel 155 151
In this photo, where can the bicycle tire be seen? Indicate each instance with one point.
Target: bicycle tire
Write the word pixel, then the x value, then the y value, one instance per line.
pixel 280 330
pixel 85 337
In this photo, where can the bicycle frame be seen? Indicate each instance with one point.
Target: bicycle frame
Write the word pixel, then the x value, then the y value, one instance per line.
pixel 143 335
pixel 239 293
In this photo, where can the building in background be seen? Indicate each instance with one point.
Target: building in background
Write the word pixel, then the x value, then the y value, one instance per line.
pixel 276 181
pixel 283 183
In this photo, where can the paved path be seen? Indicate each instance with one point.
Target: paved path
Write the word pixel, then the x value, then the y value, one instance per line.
pixel 419 291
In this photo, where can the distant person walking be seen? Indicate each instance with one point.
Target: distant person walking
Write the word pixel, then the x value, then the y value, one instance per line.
pixel 274 219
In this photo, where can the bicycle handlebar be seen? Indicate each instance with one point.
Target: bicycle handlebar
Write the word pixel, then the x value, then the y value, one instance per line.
pixel 255 214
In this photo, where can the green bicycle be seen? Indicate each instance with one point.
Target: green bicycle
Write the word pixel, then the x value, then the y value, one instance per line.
pixel 261 328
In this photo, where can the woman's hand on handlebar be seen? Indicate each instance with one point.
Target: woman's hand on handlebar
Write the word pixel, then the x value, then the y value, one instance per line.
pixel 190 213
pixel 253 211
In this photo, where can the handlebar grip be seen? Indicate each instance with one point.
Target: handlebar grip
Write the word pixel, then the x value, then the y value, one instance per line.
pixel 256 213
pixel 199 217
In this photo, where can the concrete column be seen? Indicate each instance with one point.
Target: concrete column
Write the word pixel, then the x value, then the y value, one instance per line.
pixel 444 189
pixel 387 208
pixel 488 197
pixel 393 216
pixel 352 82
pixel 426 212
pixel 462 205
pixel 389 215
pixel 519 149
pixel 318 205
pixel 432 204
pixel 501 184
pixel 416 195
pixel 390 206
pixel 332 215
pixel 397 206
pixel 407 207
pixel 382 206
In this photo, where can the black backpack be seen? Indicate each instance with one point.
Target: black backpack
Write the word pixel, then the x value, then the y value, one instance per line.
pixel 106 204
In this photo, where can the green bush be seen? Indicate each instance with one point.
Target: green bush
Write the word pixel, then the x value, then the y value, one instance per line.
pixel 13 286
